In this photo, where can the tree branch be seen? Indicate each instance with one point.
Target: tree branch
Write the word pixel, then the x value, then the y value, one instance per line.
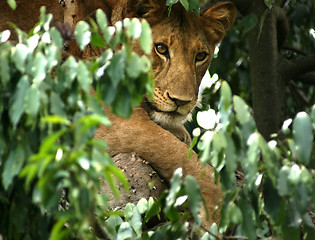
pixel 306 78
pixel 293 49
pixel 291 69
pixel 298 95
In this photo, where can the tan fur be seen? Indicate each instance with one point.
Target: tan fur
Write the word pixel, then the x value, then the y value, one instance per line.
pixel 177 80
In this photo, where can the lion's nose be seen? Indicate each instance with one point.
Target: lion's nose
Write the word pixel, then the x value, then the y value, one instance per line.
pixel 179 102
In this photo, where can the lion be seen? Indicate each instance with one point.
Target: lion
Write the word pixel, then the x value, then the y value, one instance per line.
pixel 183 45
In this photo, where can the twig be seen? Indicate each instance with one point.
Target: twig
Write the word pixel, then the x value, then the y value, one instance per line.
pixel 299 95
pixel 236 237
pixel 211 233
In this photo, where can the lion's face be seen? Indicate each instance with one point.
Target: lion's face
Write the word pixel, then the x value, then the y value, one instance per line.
pixel 181 56
pixel 183 44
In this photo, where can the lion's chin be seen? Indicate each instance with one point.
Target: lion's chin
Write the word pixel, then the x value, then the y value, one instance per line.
pixel 167 120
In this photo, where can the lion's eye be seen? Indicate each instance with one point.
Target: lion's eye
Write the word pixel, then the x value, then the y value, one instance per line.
pixel 162 49
pixel 201 56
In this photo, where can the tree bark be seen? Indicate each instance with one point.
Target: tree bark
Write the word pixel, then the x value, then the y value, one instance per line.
pixel 267 85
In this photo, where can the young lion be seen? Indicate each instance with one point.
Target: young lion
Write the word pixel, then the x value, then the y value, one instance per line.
pixel 182 50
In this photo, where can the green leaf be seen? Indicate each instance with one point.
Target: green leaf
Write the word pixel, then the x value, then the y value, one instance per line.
pixel 313 115
pixel 136 221
pixel 225 103
pixel 293 217
pixel 124 231
pixel 134 28
pixel 185 4
pixel 283 186
pixel 39 68
pixel 294 176
pixel 84 78
pixel 13 165
pixel 101 20
pixel 253 156
pixel 231 156
pixel 122 105
pixel 146 37
pixel 50 141
pixel 55 119
pixel 171 2
pixel 19 57
pixel 303 137
pixel 116 68
pixel 248 22
pixel 235 214
pixel 17 100
pixel 174 189
pixel 194 6
pixel 269 3
pixel 134 66
pixel 97 40
pixel 57 106
pixel 52 57
pixel 84 200
pixel 142 205
pixel 194 197
pixel 12 4
pixel 155 208
pixel 241 110
pixel 4 69
pixel 82 34
pixel 32 101
pixel 248 221
pixel 302 198
pixel 68 71
pixel 219 141
pixel 58 231
pixel 272 199
pixel 56 37
pixel 290 233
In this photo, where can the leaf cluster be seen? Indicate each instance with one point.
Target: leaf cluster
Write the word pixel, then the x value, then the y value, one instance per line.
pixel 48 157
pixel 268 186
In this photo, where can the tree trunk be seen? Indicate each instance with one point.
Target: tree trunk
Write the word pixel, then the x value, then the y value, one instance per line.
pixel 268 88
pixel 270 71
pixel 267 84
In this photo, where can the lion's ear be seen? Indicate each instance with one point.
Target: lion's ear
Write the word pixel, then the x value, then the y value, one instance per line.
pixel 218 19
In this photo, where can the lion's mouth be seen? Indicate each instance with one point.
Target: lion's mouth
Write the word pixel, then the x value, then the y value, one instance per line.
pixel 150 107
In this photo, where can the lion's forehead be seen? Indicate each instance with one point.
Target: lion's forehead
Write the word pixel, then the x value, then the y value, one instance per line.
pixel 174 31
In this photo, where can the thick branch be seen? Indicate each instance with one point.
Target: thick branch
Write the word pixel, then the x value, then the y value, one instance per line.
pixel 291 69
pixel 267 87
pixel 306 78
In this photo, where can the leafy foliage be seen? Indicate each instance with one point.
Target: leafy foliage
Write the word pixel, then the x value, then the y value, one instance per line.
pixel 268 187
pixel 48 120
